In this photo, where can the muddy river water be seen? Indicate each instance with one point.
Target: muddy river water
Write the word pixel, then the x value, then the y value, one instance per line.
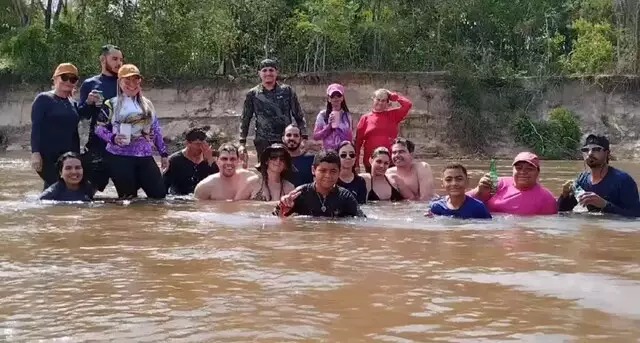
pixel 229 272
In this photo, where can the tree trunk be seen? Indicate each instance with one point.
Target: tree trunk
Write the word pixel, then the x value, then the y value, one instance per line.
pixel 56 14
pixel 47 14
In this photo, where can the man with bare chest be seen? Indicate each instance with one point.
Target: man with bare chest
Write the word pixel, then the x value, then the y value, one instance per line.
pixel 225 184
pixel 417 175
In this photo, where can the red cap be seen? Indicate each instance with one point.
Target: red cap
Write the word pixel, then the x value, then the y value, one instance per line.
pixel 528 157
pixel 335 87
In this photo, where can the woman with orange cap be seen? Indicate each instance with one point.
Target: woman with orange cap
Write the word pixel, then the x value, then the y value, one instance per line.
pixel 54 124
pixel 135 132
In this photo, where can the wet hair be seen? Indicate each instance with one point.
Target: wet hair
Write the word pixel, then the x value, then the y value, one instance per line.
pixel 380 151
pixel 407 144
pixel 293 126
pixel 229 148
pixel 108 49
pixel 327 156
pixel 67 156
pixel 196 134
pixel 456 165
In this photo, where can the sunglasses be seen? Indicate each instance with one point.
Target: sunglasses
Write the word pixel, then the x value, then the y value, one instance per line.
pixel 274 157
pixel 69 78
pixel 336 96
pixel 350 155
pixel 268 70
pixel 587 149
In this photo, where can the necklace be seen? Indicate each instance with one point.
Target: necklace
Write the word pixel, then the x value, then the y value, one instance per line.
pixel 322 199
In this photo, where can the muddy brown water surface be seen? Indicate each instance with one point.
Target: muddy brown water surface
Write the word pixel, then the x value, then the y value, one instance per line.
pixel 182 271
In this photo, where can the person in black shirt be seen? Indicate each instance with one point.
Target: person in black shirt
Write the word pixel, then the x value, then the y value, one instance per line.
pixel 321 198
pixel 72 185
pixel 54 124
pixel 349 180
pixel 190 165
pixel 93 92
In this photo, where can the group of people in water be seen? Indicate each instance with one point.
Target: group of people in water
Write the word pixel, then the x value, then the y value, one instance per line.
pixel 125 132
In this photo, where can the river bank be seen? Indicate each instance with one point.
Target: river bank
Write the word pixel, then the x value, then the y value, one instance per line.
pixel 607 104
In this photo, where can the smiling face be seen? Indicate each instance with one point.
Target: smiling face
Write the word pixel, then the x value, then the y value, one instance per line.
pixel 335 99
pixel 292 138
pixel 454 181
pixel 379 164
pixel 525 175
pixel 131 85
pixel 277 161
pixel 268 75
pixel 227 162
pixel 347 156
pixel 65 83
pixel 400 155
pixel 326 174
pixel 72 171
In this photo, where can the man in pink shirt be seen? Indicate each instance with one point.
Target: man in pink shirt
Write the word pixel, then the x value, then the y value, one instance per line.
pixel 520 194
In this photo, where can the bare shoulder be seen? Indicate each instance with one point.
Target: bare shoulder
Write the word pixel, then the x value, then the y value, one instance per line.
pixel 392 170
pixel 365 176
pixel 211 179
pixel 287 187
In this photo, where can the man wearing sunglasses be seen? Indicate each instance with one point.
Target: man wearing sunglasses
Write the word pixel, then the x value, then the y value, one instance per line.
pixel 273 104
pixel 602 188
pixel 92 92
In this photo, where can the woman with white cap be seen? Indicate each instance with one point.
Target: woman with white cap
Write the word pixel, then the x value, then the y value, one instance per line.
pixel 130 144
pixel 334 124
pixel 54 124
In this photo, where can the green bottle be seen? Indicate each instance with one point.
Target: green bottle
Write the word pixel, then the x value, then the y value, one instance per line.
pixel 493 174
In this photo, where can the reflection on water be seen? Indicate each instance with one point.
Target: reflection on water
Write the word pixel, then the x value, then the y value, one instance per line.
pixel 204 272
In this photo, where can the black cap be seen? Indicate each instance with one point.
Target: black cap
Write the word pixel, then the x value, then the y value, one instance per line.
pixel 108 48
pixel 267 62
pixel 597 140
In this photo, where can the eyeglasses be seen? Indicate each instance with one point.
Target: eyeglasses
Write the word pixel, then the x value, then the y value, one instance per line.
pixel 587 149
pixel 69 78
pixel 350 155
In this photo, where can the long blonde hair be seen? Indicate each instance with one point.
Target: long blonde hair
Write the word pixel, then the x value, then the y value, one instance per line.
pixel 145 104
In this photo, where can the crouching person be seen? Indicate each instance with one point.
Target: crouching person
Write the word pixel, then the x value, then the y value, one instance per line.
pixel 323 197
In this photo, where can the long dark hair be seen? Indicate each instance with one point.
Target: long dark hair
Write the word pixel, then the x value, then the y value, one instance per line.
pixel 329 109
pixel 264 160
pixel 67 156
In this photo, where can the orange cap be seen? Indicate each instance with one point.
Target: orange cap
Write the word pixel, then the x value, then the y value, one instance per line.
pixel 65 68
pixel 128 70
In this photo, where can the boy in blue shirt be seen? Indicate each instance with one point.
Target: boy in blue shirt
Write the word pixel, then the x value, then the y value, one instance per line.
pixel 602 188
pixel 457 204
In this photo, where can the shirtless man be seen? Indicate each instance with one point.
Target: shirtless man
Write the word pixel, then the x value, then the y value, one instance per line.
pixel 416 175
pixel 225 184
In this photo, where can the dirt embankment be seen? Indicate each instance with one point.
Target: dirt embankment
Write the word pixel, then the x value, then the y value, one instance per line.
pixel 608 105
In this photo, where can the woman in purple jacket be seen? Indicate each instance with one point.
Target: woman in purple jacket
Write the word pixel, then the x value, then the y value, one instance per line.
pixel 334 124
pixel 130 144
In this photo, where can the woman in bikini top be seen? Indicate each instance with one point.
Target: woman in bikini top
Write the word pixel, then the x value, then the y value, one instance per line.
pixel 271 184
pixel 377 188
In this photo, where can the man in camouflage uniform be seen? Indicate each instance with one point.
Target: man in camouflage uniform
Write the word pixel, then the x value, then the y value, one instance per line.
pixel 273 104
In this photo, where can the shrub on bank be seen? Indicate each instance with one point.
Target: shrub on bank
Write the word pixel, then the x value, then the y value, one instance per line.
pixel 555 138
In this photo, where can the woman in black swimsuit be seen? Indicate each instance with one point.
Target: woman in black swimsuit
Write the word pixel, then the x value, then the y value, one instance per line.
pixel 379 185
pixel 348 177
pixel 271 184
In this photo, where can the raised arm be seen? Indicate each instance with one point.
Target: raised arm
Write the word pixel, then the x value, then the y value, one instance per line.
pixel 86 111
pixel 321 129
pixel 398 114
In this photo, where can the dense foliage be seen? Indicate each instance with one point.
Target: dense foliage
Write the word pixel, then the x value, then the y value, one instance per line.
pixel 202 38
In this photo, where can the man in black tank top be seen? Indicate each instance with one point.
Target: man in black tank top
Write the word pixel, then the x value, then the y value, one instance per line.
pixel 321 198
